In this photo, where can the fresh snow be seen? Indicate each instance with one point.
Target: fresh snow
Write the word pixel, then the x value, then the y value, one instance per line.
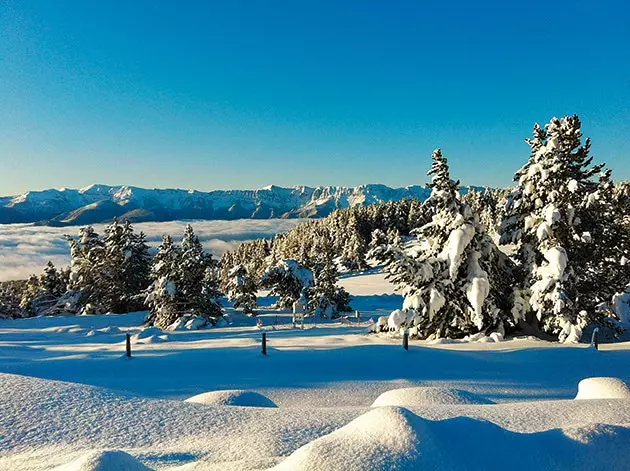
pixel 603 388
pixel 426 396
pixel 70 398
pixel 232 397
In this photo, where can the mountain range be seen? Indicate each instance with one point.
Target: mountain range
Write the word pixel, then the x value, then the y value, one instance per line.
pixel 101 203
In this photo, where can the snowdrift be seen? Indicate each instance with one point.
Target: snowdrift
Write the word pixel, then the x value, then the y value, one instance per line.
pixel 232 397
pixel 603 388
pixel 423 396
pixel 112 460
pixel 394 438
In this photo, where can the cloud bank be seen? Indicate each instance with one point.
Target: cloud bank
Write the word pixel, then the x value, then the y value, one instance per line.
pixel 25 249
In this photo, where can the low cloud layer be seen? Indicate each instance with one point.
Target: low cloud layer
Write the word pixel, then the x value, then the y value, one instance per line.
pixel 25 249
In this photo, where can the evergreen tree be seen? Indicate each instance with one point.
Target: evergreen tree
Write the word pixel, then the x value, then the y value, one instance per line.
pixel 87 254
pixel 53 281
pixel 185 282
pixel 326 299
pixel 161 296
pixel 287 279
pixel 135 267
pixel 572 246
pixel 241 289
pixel 453 277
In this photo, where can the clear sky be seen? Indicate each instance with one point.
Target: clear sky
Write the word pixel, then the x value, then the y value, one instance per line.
pixel 242 94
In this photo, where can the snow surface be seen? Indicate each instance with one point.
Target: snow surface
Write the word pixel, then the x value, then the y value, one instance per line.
pixel 232 397
pixel 425 395
pixel 107 460
pixel 67 396
pixel 395 438
pixel 603 388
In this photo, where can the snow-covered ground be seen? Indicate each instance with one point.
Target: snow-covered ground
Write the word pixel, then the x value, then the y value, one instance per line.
pixel 70 400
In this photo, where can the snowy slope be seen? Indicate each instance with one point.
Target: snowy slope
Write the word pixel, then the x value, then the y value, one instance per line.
pixel 99 203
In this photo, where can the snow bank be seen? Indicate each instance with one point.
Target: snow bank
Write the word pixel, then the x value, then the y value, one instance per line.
pixel 395 438
pixel 381 439
pixel 603 388
pixel 112 460
pixel 423 396
pixel 232 397
pixel 148 332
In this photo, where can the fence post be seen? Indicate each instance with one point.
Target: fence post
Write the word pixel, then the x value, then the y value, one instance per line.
pixel 128 345
pixel 264 343
pixel 406 339
pixel 595 338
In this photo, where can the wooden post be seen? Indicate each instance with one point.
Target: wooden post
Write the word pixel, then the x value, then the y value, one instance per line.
pixel 128 346
pixel 595 338
pixel 264 343
pixel 406 339
pixel 358 318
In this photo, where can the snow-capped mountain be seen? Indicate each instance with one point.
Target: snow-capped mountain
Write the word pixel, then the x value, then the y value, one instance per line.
pixel 100 203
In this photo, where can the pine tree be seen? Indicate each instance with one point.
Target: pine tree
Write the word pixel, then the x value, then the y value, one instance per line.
pixel 453 278
pixel 326 299
pixel 571 244
pixel 185 282
pixel 241 289
pixel 161 296
pixel 52 281
pixel 87 254
pixel 287 279
pixel 135 267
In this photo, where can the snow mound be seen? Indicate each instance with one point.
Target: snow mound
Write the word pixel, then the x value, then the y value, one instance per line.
pixel 110 460
pixel 381 439
pixel 602 388
pixel 422 396
pixel 232 397
pixel 148 332
pixel 395 438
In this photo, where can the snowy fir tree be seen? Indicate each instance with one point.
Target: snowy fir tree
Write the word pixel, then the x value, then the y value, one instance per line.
pixel 325 298
pixel 241 289
pixel 53 281
pixel 161 293
pixel 573 246
pixel 110 272
pixel 287 279
pixel 453 278
pixel 135 267
pixel 185 282
pixel 86 267
pixel 40 294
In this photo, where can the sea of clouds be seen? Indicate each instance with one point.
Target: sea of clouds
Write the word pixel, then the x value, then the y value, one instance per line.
pixel 25 249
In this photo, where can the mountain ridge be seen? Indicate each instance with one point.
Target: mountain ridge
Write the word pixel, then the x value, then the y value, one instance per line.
pixel 100 203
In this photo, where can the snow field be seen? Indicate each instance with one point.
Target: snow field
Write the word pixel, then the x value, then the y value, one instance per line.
pixel 70 400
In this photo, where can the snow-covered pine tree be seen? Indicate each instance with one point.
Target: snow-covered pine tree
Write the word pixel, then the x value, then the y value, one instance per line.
pixel 241 289
pixel 195 292
pixel 135 267
pixel 287 279
pixel 87 254
pixel 52 281
pixel 572 247
pixel 41 293
pixel 325 298
pixel 109 292
pixel 10 299
pixel 161 294
pixel 453 277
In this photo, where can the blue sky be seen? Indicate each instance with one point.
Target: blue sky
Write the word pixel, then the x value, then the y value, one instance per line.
pixel 241 94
